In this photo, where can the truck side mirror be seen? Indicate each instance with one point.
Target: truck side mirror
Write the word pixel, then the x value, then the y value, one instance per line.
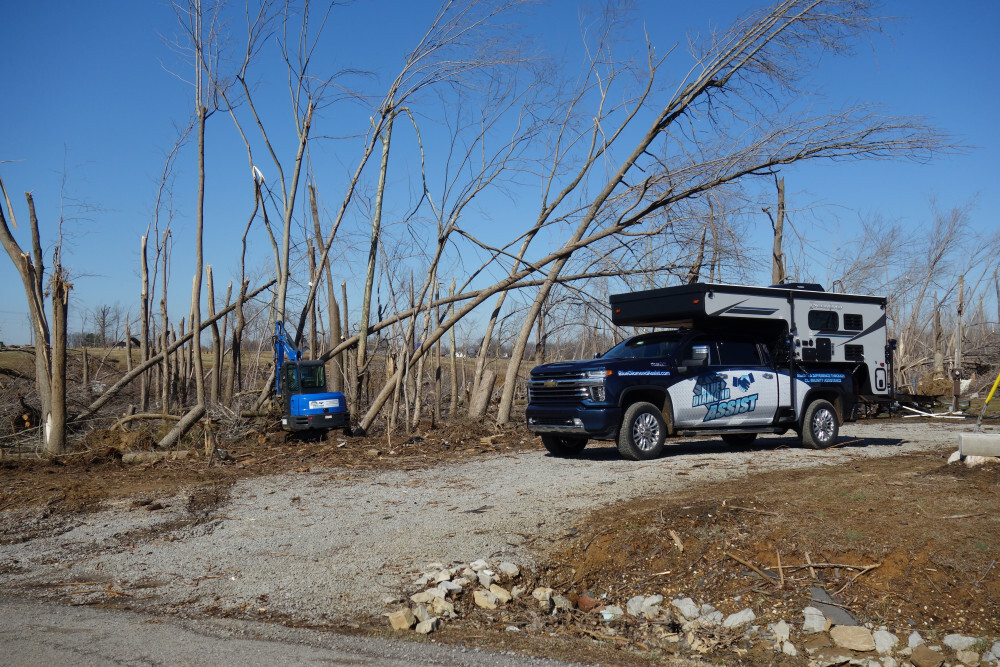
pixel 699 357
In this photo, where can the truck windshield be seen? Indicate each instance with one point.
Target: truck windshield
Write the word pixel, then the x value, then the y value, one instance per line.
pixel 647 346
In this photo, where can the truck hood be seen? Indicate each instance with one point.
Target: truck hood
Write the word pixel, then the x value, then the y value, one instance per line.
pixel 583 365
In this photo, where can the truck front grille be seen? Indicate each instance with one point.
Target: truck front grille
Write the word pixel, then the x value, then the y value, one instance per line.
pixel 555 388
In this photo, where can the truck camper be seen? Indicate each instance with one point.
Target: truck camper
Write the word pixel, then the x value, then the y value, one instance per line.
pixel 728 360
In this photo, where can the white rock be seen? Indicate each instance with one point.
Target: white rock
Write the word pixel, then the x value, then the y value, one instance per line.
pixel 502 593
pixel 562 602
pixel 955 456
pixel 853 637
pixel 958 642
pixel 420 611
pixel 782 631
pixel 914 640
pixel 651 607
pixel 469 574
pixel 512 628
pixel 967 657
pixel 707 609
pixel 687 608
pixel 449 587
pixel 443 575
pixel 973 461
pixel 788 649
pixel 739 619
pixel 612 612
pixel 402 619
pixel 814 622
pixel 889 661
pixel 423 597
pixel 485 599
pixel 509 570
pixel 486 578
pixel 518 591
pixel 462 582
pixel 634 605
pixel 478 565
pixel 541 594
pixel 423 580
pixel 443 608
pixel 995 651
pixel 428 626
pixel 710 620
pixel 884 641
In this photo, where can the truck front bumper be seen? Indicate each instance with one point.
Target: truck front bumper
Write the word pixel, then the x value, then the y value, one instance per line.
pixel 598 423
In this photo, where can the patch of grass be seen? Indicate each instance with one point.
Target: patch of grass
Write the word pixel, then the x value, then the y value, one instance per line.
pixel 856 536
pixel 982 645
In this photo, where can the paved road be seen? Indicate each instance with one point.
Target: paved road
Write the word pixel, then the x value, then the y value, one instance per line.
pixel 46 634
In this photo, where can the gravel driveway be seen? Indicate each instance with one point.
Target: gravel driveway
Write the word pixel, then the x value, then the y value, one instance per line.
pixel 325 547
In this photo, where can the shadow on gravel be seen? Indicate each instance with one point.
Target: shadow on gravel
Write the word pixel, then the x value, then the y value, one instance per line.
pixel 604 451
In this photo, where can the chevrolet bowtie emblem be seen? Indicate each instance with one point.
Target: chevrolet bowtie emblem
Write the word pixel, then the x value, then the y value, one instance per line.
pixel 550 383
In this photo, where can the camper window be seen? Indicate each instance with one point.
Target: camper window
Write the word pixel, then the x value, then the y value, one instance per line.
pixel 823 320
pixel 853 322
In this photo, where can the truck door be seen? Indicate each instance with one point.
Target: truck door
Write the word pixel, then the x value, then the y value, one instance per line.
pixel 734 388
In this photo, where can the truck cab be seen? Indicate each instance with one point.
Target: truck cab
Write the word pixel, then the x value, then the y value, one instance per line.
pixel 713 374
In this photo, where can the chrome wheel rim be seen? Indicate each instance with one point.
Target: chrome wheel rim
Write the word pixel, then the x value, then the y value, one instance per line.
pixel 823 425
pixel 646 432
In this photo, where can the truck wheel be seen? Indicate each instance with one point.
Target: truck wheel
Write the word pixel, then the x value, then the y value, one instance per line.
pixel 820 426
pixel 562 445
pixel 642 432
pixel 739 439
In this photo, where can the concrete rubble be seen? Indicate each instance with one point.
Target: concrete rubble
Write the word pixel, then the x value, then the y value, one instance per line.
pixel 688 626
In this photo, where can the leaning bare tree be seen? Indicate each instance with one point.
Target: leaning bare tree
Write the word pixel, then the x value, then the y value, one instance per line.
pixel 50 342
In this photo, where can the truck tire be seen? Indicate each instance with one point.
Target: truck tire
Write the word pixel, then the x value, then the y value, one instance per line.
pixel 563 445
pixel 739 439
pixel 642 433
pixel 820 425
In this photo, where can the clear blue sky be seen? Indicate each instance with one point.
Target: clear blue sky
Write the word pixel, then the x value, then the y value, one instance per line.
pixel 92 101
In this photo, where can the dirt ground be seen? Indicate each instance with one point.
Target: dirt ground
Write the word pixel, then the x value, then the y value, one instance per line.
pixel 908 542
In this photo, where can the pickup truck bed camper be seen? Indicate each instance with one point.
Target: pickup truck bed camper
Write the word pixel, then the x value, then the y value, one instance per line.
pixel 729 360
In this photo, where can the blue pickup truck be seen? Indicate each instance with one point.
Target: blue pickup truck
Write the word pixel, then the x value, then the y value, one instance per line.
pixel 727 360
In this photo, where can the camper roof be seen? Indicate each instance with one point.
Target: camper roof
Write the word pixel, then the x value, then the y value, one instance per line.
pixel 687 305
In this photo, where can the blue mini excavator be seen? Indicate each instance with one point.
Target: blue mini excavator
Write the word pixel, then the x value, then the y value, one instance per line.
pixel 300 385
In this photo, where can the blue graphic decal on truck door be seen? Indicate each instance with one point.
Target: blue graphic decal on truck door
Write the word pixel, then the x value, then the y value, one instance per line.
pixel 736 406
pixel 711 391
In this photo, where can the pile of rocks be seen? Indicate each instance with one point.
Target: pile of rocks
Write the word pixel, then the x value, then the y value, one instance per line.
pixel 823 636
pixel 443 586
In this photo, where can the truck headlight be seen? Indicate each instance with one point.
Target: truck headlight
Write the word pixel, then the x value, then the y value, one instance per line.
pixel 597 393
